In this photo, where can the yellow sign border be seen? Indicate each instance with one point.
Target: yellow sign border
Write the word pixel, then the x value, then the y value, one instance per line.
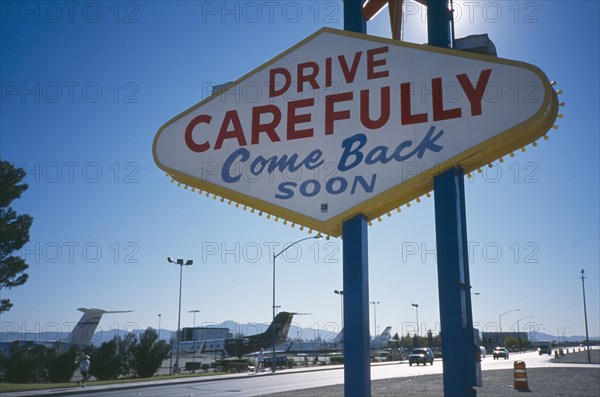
pixel 476 157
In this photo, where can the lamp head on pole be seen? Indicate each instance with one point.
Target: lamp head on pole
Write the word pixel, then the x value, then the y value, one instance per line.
pixel 415 304
pixel 177 261
pixel 180 262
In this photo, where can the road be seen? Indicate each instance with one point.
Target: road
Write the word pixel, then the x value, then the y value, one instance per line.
pixel 282 381
pixel 287 380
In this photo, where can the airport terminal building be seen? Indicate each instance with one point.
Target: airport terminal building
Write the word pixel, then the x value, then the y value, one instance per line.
pixel 204 333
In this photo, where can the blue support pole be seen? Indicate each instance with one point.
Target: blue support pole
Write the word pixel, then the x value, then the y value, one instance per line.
pixel 438 23
pixel 456 318
pixel 353 16
pixel 357 370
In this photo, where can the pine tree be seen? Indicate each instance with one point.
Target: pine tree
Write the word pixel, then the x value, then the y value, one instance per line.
pixel 14 231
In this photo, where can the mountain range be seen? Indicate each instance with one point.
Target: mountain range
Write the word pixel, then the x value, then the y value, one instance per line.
pixel 237 329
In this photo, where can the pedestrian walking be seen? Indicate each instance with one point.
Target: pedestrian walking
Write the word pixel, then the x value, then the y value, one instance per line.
pixel 84 368
pixel 261 361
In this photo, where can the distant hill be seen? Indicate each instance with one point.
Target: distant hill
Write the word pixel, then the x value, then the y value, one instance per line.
pixel 98 338
pixel 541 336
pixel 574 338
pixel 307 334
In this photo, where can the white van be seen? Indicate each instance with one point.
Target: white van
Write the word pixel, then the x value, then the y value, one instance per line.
pixel 545 348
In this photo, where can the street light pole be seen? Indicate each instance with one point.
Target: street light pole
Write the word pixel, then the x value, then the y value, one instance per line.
pixel 194 312
pixel 341 294
pixel 159 317
pixel 181 263
pixel 536 331
pixel 500 322
pixel 558 332
pixel 416 306
pixel 275 257
pixel 564 330
pixel 194 339
pixel 587 335
pixel 519 320
pixel 519 329
pixel 374 317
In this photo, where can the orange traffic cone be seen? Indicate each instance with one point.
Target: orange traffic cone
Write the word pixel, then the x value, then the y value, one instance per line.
pixel 521 376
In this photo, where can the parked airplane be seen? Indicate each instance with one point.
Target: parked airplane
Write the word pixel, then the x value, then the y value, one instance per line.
pixel 81 335
pixel 329 346
pixel 333 346
pixel 240 346
pixel 383 340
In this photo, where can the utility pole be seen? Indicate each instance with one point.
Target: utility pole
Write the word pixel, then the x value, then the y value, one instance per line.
pixel 587 335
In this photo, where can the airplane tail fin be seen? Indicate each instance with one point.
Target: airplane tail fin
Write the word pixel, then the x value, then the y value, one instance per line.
pixel 85 328
pixel 386 332
pixel 339 337
pixel 384 336
pixel 280 326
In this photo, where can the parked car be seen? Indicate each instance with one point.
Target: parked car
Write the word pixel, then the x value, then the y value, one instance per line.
pixel 420 355
pixel 500 352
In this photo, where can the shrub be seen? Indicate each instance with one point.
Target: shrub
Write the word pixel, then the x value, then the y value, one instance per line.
pixel 108 361
pixel 149 353
pixel 60 365
pixel 337 359
pixel 25 364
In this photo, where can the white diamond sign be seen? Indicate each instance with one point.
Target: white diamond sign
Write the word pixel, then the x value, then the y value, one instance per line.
pixel 345 123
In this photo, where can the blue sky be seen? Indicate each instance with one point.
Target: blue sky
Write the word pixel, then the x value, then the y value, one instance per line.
pixel 85 89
